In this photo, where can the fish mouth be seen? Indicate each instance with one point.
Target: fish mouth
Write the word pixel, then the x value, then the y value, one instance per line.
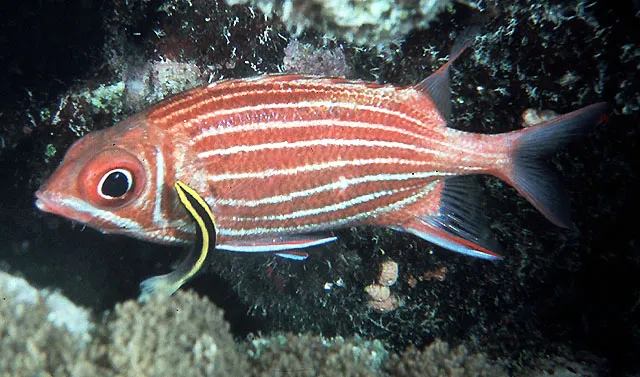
pixel 54 203
pixel 42 203
pixel 103 221
pixel 78 210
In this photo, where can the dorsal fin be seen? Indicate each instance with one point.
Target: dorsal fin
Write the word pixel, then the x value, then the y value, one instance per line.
pixel 437 85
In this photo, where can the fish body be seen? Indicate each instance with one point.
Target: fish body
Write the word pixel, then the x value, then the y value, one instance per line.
pixel 280 159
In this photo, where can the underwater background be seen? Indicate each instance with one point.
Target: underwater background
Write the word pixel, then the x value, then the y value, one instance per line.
pixel 561 303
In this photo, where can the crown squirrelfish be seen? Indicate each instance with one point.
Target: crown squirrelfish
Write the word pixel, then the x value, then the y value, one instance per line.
pixel 282 159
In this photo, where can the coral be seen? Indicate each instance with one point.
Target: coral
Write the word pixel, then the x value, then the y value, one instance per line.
pixel 438 360
pixel 179 335
pixel 185 335
pixel 304 58
pixel 306 355
pixel 378 292
pixel 36 334
pixel 18 289
pixel 156 80
pixel 531 117
pixel 388 273
pixel 368 22
pixel 61 312
pixel 206 36
pixel 45 334
pixel 564 362
pixel 385 305
pixel 381 298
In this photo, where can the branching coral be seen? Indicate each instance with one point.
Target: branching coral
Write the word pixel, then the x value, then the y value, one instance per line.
pixel 438 360
pixel 179 335
pixel 186 335
pixel 36 340
pixel 314 356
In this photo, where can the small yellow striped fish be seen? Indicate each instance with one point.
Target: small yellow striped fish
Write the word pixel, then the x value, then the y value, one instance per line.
pixel 206 234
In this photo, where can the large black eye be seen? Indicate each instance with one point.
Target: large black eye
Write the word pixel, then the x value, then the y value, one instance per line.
pixel 115 184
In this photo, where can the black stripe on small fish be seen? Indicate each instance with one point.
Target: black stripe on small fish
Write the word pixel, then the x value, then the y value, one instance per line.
pixel 206 231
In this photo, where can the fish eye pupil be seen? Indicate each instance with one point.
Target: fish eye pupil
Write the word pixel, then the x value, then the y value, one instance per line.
pixel 115 184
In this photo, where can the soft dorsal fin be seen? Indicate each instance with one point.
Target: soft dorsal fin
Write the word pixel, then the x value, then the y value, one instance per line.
pixel 437 85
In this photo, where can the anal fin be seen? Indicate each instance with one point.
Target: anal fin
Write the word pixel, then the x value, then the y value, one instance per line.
pixel 456 221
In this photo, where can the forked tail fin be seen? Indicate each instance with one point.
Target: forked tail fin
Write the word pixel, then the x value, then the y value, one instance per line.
pixel 529 173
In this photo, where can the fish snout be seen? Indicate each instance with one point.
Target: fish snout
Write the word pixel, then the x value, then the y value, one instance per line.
pixel 44 201
pixel 58 204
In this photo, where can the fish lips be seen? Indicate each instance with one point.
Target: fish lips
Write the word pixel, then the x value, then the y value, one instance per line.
pixel 53 203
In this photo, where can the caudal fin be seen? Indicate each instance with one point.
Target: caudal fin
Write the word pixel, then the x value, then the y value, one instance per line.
pixel 529 173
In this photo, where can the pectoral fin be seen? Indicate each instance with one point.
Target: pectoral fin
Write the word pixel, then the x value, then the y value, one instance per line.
pixel 283 246
pixel 295 255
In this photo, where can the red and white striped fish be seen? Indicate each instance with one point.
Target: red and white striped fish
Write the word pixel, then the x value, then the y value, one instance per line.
pixel 281 159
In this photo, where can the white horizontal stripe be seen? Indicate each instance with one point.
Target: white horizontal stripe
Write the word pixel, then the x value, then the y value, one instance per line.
pixel 126 226
pixel 314 167
pixel 78 205
pixel 220 130
pixel 198 121
pixel 330 224
pixel 341 184
pixel 211 98
pixel 263 126
pixel 326 209
pixel 318 143
pixel 311 84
